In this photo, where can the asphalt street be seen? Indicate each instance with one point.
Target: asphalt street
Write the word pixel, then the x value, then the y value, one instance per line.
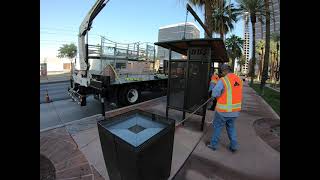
pixel 56 91
pixel 63 110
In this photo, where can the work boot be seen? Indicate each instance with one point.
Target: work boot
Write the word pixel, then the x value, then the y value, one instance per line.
pixel 233 150
pixel 209 145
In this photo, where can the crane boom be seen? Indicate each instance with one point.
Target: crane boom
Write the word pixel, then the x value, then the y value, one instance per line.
pixel 194 14
pixel 83 32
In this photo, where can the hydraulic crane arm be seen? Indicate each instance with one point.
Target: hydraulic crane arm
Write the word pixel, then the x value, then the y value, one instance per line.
pixel 194 14
pixel 94 11
pixel 83 30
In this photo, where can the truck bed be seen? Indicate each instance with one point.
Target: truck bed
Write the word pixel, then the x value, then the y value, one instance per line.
pixel 122 79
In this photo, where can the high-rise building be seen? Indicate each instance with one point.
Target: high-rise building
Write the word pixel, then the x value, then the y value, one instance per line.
pixel 175 32
pixel 246 44
pixel 274 8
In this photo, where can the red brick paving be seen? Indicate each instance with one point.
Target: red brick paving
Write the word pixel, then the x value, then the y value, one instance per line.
pixel 69 162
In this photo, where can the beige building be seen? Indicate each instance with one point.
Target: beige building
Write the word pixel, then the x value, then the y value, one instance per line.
pixel 55 64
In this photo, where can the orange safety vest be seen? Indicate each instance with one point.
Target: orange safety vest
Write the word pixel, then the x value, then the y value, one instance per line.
pixel 214 78
pixel 231 98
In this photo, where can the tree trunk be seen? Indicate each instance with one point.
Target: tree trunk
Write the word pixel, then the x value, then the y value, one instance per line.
pixel 277 66
pixel 208 14
pixel 232 64
pixel 221 35
pixel 253 20
pixel 222 30
pixel 272 69
pixel 267 48
pixel 261 66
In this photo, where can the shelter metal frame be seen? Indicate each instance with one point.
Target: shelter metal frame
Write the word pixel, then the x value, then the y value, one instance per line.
pixel 217 53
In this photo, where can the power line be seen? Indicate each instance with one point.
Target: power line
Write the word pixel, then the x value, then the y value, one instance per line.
pixel 59 29
pixel 54 33
pixel 58 33
pixel 47 40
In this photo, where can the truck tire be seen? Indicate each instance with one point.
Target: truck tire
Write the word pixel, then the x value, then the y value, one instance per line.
pixel 129 95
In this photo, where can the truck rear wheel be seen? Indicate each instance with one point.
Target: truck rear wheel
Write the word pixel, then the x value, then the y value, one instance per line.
pixel 130 95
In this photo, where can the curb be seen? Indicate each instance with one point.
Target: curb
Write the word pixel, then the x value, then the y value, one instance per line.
pixel 273 88
pixel 270 108
pixel 96 115
pixel 52 82
pixel 267 105
pixel 68 123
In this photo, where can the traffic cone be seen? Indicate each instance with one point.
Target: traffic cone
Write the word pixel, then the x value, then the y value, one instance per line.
pixel 47 97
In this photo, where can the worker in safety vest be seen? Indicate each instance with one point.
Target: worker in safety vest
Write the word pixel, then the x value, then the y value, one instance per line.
pixel 228 92
pixel 213 82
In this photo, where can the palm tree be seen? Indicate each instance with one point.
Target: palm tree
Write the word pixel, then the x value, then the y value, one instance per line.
pixel 259 48
pixel 209 5
pixel 223 18
pixel 267 48
pixel 234 46
pixel 275 37
pixel 254 8
pixel 273 52
pixel 241 62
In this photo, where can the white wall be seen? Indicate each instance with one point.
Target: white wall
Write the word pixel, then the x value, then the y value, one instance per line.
pixel 54 63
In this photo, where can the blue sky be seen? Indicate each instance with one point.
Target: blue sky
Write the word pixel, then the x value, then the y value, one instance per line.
pixel 120 20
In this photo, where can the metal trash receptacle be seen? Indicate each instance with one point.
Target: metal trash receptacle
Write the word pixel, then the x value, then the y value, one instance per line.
pixel 137 145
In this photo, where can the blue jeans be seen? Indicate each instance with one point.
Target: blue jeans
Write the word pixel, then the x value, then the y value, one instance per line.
pixel 218 123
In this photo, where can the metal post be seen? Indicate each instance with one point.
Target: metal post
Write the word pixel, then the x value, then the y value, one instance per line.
pixel 138 51
pixel 101 95
pixel 186 86
pixel 147 52
pixel 101 54
pixel 128 52
pixel 168 86
pixel 204 110
pixel 114 53
pixel 154 57
pixel 103 108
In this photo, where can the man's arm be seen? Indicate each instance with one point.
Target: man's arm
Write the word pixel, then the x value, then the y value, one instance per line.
pixel 218 89
pixel 211 86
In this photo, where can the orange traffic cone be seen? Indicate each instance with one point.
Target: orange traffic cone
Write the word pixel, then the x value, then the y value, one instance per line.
pixel 47 97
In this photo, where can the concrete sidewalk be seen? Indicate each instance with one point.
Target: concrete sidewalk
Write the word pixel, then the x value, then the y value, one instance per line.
pixel 57 113
pixel 191 158
pixel 85 134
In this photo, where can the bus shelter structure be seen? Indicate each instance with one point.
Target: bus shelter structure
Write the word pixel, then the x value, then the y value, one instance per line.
pixel 188 79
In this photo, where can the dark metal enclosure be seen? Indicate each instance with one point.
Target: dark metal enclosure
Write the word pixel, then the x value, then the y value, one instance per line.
pixel 188 81
pixel 137 145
